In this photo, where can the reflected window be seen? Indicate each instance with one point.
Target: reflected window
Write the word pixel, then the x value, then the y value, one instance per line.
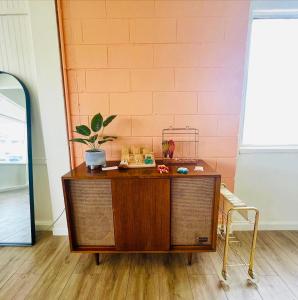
pixel 13 132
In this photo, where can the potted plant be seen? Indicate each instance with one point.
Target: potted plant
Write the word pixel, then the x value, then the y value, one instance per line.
pixel 94 137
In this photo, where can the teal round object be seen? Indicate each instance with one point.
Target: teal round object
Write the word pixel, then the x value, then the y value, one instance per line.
pixel 182 170
pixel 148 161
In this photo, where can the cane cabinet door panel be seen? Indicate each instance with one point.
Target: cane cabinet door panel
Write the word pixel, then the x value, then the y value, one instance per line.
pixel 192 211
pixel 141 214
pixel 91 212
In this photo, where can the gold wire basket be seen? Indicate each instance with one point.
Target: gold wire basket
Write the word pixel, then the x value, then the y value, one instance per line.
pixel 186 142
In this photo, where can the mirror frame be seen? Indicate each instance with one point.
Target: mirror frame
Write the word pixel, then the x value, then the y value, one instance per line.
pixel 30 165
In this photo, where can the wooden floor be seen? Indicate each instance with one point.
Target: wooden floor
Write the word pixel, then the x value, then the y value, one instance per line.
pixel 49 271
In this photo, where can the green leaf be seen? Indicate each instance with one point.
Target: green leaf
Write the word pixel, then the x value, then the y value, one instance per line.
pixel 83 130
pixel 109 137
pixel 96 122
pixel 78 140
pixel 108 120
pixel 93 138
pixel 104 141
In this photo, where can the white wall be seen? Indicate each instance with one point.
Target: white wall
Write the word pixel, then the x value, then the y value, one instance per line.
pixel 268 178
pixel 49 87
pixel 269 181
pixel 16 57
pixel 29 48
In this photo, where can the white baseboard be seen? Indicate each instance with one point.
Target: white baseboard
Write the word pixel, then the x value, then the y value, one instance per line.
pixel 268 226
pixel 46 226
pixel 43 225
pixel 60 231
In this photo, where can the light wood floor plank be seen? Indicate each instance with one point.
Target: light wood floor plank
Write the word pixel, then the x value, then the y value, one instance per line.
pixel 110 283
pixel 52 282
pixel 236 287
pixel 201 264
pixel 262 266
pixel 174 282
pixel 293 235
pixel 18 286
pixel 48 271
pixel 13 258
pixel 273 288
pixel 30 271
pixel 286 261
pixel 270 258
pixel 143 278
pixel 206 287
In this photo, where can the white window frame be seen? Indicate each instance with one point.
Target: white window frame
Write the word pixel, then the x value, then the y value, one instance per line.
pixel 265 10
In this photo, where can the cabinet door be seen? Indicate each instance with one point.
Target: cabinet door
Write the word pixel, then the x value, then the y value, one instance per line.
pixel 192 211
pixel 91 214
pixel 141 214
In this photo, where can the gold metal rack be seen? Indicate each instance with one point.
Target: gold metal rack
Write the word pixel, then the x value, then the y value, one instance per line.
pixel 229 205
pixel 186 141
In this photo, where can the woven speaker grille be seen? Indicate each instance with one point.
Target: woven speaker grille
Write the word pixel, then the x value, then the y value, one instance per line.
pixel 92 213
pixel 191 211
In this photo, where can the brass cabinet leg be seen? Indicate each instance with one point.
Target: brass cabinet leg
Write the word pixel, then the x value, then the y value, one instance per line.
pixel 226 247
pixel 253 247
pixel 189 258
pixel 97 258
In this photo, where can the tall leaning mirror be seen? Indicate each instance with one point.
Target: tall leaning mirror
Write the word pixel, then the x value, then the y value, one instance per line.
pixel 16 181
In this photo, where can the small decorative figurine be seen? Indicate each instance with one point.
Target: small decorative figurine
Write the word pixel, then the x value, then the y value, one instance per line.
pixel 162 169
pixel 123 165
pixel 165 148
pixel 182 170
pixel 171 148
pixel 148 159
pixel 136 157
pixel 198 168
pixel 168 148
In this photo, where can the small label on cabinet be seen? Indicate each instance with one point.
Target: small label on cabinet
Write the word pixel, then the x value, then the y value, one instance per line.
pixel 202 240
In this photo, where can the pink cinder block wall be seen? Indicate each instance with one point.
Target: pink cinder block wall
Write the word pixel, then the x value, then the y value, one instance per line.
pixel 158 64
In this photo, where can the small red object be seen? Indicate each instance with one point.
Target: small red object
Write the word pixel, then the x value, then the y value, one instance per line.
pixel 171 148
pixel 162 169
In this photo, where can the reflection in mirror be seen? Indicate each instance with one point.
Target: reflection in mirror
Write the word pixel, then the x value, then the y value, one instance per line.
pixel 15 216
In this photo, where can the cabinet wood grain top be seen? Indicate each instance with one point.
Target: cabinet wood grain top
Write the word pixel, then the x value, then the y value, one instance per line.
pixel 82 172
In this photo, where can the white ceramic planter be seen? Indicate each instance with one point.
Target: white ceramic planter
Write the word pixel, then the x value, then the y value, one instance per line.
pixel 95 159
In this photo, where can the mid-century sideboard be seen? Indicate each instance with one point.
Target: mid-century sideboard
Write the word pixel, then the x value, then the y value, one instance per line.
pixel 141 210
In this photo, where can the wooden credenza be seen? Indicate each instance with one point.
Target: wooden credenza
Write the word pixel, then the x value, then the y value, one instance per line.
pixel 140 210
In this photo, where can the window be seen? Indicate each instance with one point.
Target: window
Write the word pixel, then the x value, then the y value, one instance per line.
pixel 271 105
pixel 13 134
